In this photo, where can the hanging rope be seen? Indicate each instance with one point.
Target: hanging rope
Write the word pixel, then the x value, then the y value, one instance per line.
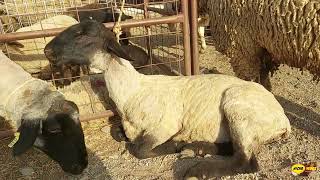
pixel 117 26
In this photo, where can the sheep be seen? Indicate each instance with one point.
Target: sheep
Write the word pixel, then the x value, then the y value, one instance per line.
pixel 157 109
pixel 27 12
pixel 43 117
pixel 32 59
pixel 258 36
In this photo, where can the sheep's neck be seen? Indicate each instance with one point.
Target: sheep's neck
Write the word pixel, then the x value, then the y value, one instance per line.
pixel 122 81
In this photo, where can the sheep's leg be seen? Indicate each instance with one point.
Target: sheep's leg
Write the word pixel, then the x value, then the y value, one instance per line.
pixel 242 161
pixel 268 67
pixel 143 147
pixel 254 117
pixel 219 166
pixel 203 22
pixel 146 144
pixel 247 128
pixel 201 30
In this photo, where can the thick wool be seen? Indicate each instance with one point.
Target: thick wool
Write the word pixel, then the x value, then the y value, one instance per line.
pixel 259 35
pixel 21 94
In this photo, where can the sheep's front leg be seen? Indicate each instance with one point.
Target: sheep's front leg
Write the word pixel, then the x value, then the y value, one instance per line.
pixel 147 147
pixel 151 142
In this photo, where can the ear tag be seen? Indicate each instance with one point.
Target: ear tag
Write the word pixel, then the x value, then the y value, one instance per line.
pixel 15 140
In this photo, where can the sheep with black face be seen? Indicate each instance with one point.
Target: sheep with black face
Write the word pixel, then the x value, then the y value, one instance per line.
pixel 43 117
pixel 156 109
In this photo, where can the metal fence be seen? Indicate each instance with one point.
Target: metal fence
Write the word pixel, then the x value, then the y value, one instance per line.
pixel 165 29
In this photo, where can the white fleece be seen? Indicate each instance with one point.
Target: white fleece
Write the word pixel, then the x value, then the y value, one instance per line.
pixel 21 94
pixel 211 108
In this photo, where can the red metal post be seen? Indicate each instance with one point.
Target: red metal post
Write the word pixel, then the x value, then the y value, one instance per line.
pixel 186 37
pixel 194 36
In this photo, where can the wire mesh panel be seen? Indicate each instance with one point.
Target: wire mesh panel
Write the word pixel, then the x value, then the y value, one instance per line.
pixel 161 43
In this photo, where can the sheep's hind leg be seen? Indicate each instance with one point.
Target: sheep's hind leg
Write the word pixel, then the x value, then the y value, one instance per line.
pixel 246 131
pixel 218 166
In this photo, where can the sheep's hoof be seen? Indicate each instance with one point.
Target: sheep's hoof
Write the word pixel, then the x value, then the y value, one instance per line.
pixel 202 51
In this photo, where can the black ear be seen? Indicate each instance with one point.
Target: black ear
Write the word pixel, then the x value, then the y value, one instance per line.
pixel 113 46
pixel 29 130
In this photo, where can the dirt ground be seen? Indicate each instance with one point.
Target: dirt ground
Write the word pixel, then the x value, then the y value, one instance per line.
pixel 108 158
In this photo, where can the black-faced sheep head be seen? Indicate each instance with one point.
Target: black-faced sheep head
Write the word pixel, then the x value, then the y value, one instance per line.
pixel 60 136
pixel 80 43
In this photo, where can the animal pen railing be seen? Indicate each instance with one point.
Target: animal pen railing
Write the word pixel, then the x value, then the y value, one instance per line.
pixel 171 51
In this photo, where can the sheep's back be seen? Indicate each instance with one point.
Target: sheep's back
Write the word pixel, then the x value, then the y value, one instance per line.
pixel 188 105
pixel 12 75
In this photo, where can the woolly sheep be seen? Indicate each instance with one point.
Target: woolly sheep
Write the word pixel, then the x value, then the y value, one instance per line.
pixel 43 117
pixel 32 59
pixel 157 108
pixel 258 35
pixel 28 12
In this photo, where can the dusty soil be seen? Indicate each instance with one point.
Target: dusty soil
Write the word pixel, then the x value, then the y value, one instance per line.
pixel 108 158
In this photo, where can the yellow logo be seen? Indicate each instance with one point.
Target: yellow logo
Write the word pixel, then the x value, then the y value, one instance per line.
pixel 303 169
pixel 297 169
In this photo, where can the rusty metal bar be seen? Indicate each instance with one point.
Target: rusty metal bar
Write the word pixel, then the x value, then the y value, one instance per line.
pixel 52 32
pixel 106 114
pixel 6 133
pixel 186 38
pixel 193 9
pixel 148 30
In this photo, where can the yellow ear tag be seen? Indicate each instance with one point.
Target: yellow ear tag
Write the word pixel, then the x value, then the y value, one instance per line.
pixel 14 141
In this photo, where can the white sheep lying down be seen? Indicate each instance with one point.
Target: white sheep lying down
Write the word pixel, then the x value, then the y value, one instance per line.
pixel 156 108
pixel 43 117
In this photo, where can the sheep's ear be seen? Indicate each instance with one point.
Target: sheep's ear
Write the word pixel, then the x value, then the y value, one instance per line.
pixel 29 130
pixel 113 46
